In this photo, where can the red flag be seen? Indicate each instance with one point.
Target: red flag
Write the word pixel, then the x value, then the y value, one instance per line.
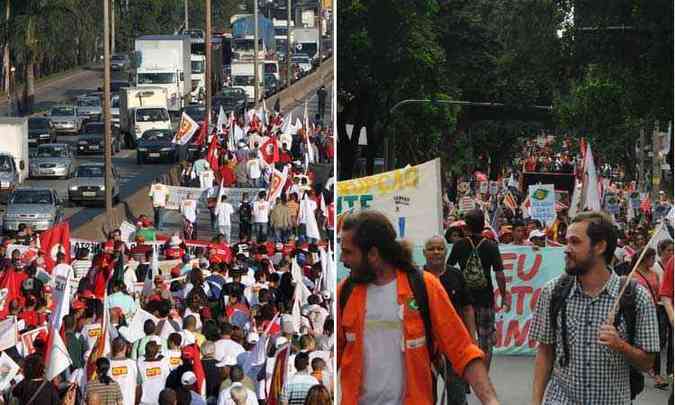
pixel 197 368
pixel 270 150
pixel 53 241
pixel 12 283
pixel 212 153
pixel 278 375
pixel 201 136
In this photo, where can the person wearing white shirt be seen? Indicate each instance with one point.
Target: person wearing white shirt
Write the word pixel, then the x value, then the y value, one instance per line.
pixel 188 208
pixel 153 371
pixel 125 371
pixel 226 348
pixel 236 376
pixel 224 211
pixel 261 214
pixel 254 170
pixel 160 194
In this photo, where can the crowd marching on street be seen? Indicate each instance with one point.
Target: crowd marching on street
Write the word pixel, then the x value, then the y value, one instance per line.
pixel 591 346
pixel 150 317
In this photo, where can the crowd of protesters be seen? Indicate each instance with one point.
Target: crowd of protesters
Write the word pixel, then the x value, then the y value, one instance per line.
pixel 151 318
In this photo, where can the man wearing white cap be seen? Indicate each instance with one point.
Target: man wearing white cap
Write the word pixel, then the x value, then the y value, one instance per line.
pixel 237 378
pixel 188 379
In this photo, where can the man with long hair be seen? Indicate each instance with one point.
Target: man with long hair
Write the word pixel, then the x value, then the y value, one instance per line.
pixel 383 355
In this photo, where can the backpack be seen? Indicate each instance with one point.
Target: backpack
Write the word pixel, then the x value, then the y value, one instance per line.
pixel 627 310
pixel 474 275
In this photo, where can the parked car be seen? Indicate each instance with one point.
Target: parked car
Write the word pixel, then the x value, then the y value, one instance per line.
pixel 119 61
pixel 89 107
pixel 196 111
pixel 156 144
pixel 40 130
pixel 39 207
pixel 91 140
pixel 9 175
pixel 89 184
pixel 52 160
pixel 65 119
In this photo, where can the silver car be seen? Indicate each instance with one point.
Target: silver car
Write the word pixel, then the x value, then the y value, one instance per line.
pixel 38 207
pixel 89 107
pixel 52 160
pixel 89 184
pixel 65 119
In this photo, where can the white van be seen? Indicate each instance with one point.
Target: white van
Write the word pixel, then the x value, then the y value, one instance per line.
pixel 151 117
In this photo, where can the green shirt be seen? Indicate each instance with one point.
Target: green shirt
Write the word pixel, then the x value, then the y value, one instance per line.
pixel 148 234
pixel 77 346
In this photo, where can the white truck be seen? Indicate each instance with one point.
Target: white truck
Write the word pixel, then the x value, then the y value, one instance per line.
pixel 305 41
pixel 243 77
pixel 14 144
pixel 198 92
pixel 133 102
pixel 165 61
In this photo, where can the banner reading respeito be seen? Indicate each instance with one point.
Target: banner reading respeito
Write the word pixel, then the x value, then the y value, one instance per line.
pixel 410 197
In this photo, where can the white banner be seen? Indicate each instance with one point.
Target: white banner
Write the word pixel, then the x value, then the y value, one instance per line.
pixel 8 333
pixel 409 197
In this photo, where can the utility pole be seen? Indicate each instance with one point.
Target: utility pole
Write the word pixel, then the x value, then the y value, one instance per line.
pixel 112 28
pixel 320 26
pixel 186 15
pixel 106 114
pixel 288 45
pixel 255 50
pixel 207 74
pixel 6 55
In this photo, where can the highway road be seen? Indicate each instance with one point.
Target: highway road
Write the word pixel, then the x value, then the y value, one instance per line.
pixel 132 176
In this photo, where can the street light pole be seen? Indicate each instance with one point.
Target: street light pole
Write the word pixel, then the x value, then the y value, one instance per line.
pixel 320 18
pixel 288 45
pixel 112 28
pixel 255 50
pixel 454 102
pixel 106 114
pixel 207 74
pixel 186 15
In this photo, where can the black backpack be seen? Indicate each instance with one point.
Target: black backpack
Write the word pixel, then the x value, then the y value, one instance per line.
pixel 627 310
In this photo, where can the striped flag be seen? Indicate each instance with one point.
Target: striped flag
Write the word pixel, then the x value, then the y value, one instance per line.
pixel 102 345
pixel 510 202
pixel 279 374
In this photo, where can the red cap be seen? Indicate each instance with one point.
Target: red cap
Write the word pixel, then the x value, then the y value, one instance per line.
pixel 175 272
pixel 488 234
pixel 146 221
pixel 77 305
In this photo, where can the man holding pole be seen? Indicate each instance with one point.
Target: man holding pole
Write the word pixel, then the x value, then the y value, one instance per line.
pixel 584 357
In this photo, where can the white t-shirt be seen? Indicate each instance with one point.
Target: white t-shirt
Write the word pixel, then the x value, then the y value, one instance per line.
pixel 125 372
pixel 175 358
pixel 223 211
pixel 311 208
pixel 227 349
pixel 206 178
pixel 261 212
pixel 254 171
pixel 152 375
pixel 382 348
pixel 91 332
pixel 159 193
pixel 189 210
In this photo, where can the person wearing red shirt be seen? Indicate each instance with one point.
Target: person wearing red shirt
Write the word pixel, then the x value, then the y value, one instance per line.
pixel 666 293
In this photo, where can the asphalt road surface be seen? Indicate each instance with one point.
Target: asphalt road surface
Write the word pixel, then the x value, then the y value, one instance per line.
pixel 512 377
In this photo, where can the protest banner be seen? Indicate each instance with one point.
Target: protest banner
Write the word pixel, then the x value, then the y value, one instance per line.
pixel 409 197
pixel 28 338
pixel 612 203
pixel 8 370
pixel 8 333
pixel 527 271
pixel 542 200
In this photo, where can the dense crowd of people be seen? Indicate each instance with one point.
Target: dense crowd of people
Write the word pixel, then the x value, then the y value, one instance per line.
pixel 162 318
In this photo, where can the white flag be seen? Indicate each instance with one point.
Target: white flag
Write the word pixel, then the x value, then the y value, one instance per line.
pixel 148 285
pixel 307 217
pixel 8 333
pixel 287 124
pixel 186 129
pixel 277 183
pixel 591 193
pixel 221 121
pixel 59 359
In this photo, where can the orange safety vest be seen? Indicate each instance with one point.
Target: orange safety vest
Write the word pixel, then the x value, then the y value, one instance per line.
pixel 450 336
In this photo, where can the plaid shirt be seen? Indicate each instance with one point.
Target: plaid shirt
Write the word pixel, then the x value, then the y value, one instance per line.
pixel 594 374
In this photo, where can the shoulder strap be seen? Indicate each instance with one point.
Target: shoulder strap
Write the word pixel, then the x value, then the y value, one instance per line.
pixel 345 292
pixel 419 289
pixel 627 307
pixel 651 290
pixel 561 290
pixel 480 243
pixel 32 399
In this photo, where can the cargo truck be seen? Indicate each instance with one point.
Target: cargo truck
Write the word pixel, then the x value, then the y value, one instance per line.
pixel 165 61
pixel 133 98
pixel 305 41
pixel 243 77
pixel 13 154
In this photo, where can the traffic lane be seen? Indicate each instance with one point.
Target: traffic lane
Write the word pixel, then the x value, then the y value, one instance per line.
pixel 132 177
pixel 65 90
pixel 313 105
